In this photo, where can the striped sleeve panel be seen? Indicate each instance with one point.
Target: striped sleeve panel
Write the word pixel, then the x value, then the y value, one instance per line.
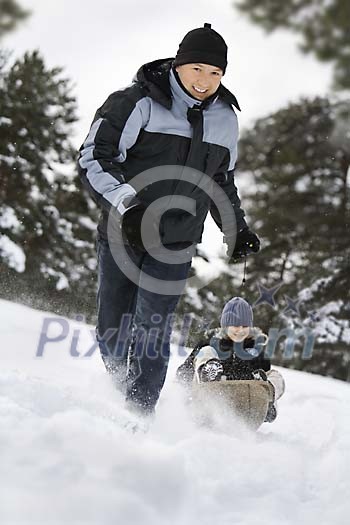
pixel 114 130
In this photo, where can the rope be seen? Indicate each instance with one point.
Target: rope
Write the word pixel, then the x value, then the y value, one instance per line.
pixel 244 271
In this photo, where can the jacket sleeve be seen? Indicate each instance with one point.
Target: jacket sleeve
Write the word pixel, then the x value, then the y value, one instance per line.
pixel 114 130
pixel 185 372
pixel 224 178
pixel 226 182
pixel 261 362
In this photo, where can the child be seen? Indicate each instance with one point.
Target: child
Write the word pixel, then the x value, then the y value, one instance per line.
pixel 234 351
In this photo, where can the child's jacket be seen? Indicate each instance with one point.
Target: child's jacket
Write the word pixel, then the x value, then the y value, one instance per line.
pixel 239 360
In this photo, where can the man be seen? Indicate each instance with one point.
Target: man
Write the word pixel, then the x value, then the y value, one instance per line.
pixel 176 113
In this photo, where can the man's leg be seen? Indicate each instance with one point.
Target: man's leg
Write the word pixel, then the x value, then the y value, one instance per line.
pixel 150 348
pixel 115 309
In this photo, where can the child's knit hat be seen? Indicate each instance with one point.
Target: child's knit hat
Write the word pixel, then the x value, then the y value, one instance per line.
pixel 237 312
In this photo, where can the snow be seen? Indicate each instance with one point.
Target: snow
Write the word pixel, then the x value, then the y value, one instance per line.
pixel 5 121
pixel 88 223
pixel 62 280
pixel 307 293
pixel 9 220
pixel 6 159
pixel 328 328
pixel 65 456
pixel 13 253
pixel 194 297
pixel 346 335
pixel 23 132
pixel 35 193
pixel 52 211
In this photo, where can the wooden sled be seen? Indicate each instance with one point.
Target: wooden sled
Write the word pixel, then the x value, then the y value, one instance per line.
pixel 247 399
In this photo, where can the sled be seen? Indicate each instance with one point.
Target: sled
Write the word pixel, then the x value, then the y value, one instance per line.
pixel 248 400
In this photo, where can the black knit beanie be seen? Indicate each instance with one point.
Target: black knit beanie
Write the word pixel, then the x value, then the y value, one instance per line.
pixel 202 45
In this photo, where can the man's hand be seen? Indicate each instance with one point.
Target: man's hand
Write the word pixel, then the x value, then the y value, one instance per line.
pixel 131 223
pixel 246 242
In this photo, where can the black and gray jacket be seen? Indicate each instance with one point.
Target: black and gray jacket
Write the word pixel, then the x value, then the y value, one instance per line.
pixel 154 122
pixel 239 360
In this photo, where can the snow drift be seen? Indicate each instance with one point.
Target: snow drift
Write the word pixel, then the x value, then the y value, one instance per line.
pixel 66 458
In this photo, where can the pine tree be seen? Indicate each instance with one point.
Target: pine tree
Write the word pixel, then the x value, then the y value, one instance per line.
pixel 11 13
pixel 46 242
pixel 299 160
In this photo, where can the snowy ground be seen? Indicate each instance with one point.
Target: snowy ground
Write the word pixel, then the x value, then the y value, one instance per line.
pixel 66 459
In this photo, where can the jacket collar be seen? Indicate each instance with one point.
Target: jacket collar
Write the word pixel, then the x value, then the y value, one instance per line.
pixel 179 93
pixel 156 79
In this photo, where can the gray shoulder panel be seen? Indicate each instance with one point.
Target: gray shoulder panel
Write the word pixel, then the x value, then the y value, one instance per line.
pixel 220 127
pixel 138 119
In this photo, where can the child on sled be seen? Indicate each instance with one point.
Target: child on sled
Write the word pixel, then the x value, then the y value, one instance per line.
pixel 234 351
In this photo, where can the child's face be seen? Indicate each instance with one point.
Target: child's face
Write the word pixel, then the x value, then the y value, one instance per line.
pixel 237 333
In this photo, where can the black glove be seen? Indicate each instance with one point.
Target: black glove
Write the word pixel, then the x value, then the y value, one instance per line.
pixel 259 374
pixel 185 373
pixel 131 223
pixel 246 242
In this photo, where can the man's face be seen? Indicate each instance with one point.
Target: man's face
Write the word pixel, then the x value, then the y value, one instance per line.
pixel 201 80
pixel 237 333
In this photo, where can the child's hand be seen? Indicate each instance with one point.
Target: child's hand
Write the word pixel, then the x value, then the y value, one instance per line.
pixel 260 374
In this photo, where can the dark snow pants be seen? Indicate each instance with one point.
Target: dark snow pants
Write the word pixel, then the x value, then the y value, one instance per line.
pixel 134 325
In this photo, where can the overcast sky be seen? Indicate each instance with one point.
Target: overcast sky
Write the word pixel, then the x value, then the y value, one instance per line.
pixel 102 43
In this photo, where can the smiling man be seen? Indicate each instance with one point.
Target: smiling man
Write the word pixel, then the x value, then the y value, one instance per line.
pixel 176 113
pixel 200 80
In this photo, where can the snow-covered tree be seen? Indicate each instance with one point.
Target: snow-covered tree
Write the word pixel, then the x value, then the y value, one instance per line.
pixel 46 248
pixel 298 160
